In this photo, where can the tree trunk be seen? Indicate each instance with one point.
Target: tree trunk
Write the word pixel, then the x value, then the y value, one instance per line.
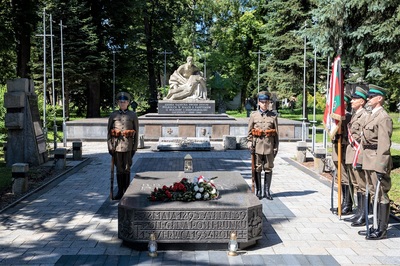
pixel 150 64
pixel 93 106
pixel 23 30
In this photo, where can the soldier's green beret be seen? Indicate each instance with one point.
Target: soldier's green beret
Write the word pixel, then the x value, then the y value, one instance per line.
pixel 375 90
pixel 359 93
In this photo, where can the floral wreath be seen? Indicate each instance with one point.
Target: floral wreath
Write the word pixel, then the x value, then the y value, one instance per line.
pixel 201 188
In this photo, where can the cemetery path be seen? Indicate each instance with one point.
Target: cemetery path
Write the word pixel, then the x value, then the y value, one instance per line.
pixel 73 222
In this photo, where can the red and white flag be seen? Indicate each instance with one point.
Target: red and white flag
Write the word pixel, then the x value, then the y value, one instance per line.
pixel 334 110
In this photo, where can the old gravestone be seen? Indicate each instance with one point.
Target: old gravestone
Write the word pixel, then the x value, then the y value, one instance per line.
pixel 26 142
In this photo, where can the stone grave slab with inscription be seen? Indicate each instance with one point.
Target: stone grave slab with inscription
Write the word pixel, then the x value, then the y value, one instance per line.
pixel 186 225
pixel 184 144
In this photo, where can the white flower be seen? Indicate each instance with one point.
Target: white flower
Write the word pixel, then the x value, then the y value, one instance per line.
pixel 206 195
pixel 196 188
pixel 213 191
pixel 201 189
pixel 198 196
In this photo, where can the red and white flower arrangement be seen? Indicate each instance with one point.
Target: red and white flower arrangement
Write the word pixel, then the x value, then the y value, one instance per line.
pixel 201 188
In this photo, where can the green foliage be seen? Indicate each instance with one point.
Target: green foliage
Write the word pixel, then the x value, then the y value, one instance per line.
pixel 3 130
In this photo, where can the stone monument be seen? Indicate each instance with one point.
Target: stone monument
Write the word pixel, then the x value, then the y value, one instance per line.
pixel 26 142
pixel 190 225
pixel 187 82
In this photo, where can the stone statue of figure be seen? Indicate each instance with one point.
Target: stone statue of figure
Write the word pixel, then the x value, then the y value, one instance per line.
pixel 187 82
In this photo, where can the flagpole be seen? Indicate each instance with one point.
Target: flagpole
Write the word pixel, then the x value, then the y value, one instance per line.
pixel 340 142
pixel 339 172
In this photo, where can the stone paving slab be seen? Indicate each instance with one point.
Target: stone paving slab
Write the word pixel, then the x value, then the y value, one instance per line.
pixel 75 223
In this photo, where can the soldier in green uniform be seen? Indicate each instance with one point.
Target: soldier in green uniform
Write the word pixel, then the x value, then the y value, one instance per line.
pixel 347 202
pixel 122 140
pixel 357 175
pixel 376 159
pixel 263 137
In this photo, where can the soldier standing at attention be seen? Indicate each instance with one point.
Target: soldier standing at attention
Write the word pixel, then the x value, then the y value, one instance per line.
pixel 122 140
pixel 376 159
pixel 347 201
pixel 357 175
pixel 263 137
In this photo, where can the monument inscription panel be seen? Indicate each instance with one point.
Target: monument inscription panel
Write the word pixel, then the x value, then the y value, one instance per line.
pixel 186 107
pixel 236 210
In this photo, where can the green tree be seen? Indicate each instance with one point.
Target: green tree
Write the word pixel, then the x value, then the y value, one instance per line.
pixel 283 70
pixel 369 34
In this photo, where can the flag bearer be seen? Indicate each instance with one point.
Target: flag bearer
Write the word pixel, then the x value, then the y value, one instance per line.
pixel 354 169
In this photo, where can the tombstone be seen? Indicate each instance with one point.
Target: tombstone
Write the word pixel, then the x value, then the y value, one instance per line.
pixel 20 178
pixel 301 151
pixel 319 160
pixel 77 150
pixel 26 141
pixel 60 158
pixel 229 142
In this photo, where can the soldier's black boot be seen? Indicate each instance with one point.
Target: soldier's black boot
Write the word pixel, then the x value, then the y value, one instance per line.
pixel 360 221
pixel 383 220
pixel 120 182
pixel 267 185
pixel 360 209
pixel 372 228
pixel 347 203
pixel 127 181
pixel 257 180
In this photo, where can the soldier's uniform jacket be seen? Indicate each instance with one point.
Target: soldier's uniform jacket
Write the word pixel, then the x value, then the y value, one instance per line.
pixel 344 140
pixel 266 122
pixel 121 121
pixel 376 142
pixel 355 126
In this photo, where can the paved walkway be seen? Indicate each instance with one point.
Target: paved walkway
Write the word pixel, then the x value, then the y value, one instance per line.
pixel 72 221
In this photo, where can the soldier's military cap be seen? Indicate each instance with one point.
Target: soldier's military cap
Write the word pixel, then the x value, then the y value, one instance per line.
pixel 359 93
pixel 375 90
pixel 347 97
pixel 123 96
pixel 264 96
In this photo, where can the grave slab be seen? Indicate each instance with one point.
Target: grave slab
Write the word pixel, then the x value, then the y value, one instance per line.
pixel 206 223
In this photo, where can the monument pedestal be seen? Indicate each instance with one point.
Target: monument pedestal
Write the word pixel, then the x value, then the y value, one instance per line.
pixel 189 224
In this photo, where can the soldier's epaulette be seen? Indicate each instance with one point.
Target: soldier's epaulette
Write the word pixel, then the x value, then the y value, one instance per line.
pixel 271 113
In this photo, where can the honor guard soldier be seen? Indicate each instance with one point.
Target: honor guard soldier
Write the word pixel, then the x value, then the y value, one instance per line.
pixel 263 138
pixel 347 201
pixel 357 175
pixel 122 140
pixel 377 161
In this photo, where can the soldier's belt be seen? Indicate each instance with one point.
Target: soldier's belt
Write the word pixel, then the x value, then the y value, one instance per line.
pixel 256 132
pixel 370 146
pixel 123 133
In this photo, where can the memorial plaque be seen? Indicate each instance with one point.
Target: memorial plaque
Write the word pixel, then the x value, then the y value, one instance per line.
pixel 184 144
pixel 236 210
pixel 183 107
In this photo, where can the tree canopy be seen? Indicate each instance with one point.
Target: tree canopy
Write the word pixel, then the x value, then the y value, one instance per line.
pixel 243 46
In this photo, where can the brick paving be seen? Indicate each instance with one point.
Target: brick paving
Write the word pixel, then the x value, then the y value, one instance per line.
pixel 73 222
